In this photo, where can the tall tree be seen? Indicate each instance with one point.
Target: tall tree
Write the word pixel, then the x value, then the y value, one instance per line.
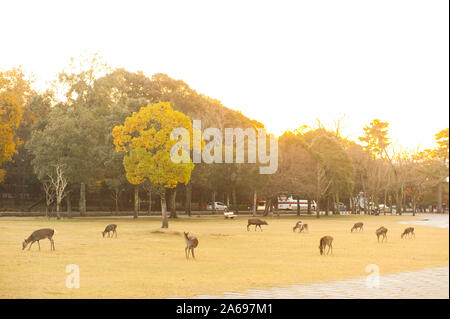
pixel 14 94
pixel 146 139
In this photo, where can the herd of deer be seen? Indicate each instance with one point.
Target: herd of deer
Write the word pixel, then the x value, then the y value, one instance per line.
pixel 192 241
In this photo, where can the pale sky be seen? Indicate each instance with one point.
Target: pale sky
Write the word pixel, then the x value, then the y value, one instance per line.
pixel 283 63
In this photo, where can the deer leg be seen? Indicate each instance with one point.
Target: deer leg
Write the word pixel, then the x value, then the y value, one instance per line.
pixel 31 245
pixel 39 245
pixel 247 227
pixel 193 256
pixel 186 252
pixel 53 244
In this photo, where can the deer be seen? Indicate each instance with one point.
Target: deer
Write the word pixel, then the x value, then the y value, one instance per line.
pixel 191 243
pixel 257 222
pixel 298 226
pixel 324 242
pixel 357 226
pixel 37 236
pixel 408 231
pixel 303 228
pixel 110 228
pixel 382 231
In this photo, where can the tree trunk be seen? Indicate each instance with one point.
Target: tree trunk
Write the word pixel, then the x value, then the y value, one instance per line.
pixel 228 199
pixel 116 199
pixel 328 207
pixel 69 206
pixel 298 206
pixel 136 201
pixel 188 202
pixel 214 202
pixel 165 219
pixel 173 203
pixel 58 214
pixel 255 194
pixel 233 194
pixel 439 198
pixel 82 203
pixel 309 207
pixel 149 202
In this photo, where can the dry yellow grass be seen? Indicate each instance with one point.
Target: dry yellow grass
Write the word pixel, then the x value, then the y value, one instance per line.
pixel 148 262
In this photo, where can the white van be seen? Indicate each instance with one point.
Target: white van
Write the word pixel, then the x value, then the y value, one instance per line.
pixel 289 203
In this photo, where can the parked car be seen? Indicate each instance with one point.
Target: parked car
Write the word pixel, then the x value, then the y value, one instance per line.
pixel 217 206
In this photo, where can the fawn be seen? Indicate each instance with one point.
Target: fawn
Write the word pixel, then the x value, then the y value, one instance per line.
pixel 324 242
pixel 382 231
pixel 408 231
pixel 357 226
pixel 257 222
pixel 108 229
pixel 37 236
pixel 191 243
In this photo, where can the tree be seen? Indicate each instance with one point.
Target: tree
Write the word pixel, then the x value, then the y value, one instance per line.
pixel 59 183
pixel 145 137
pixel 442 153
pixel 375 138
pixel 14 94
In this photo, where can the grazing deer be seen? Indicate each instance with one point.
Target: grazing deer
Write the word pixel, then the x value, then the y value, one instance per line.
pixel 408 231
pixel 298 226
pixel 37 236
pixel 357 226
pixel 304 227
pixel 324 242
pixel 191 243
pixel 108 229
pixel 257 222
pixel 382 231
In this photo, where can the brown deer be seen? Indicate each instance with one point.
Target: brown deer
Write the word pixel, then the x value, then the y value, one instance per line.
pixel 37 236
pixel 408 231
pixel 191 243
pixel 382 231
pixel 324 242
pixel 304 227
pixel 298 226
pixel 357 226
pixel 257 222
pixel 110 228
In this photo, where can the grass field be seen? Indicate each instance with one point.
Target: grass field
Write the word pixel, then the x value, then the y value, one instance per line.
pixel 148 262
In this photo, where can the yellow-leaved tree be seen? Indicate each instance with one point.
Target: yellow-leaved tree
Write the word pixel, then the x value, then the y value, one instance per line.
pixel 146 139
pixel 14 93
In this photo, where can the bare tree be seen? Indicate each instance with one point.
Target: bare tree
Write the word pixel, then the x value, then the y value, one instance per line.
pixel 58 182
pixel 49 195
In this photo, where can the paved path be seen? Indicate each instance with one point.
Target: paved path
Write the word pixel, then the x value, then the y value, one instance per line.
pixel 433 220
pixel 430 283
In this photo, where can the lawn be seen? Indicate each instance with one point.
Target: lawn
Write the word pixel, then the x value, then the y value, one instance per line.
pixel 146 261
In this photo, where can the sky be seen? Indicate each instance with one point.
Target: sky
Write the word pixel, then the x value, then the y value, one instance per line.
pixel 283 63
